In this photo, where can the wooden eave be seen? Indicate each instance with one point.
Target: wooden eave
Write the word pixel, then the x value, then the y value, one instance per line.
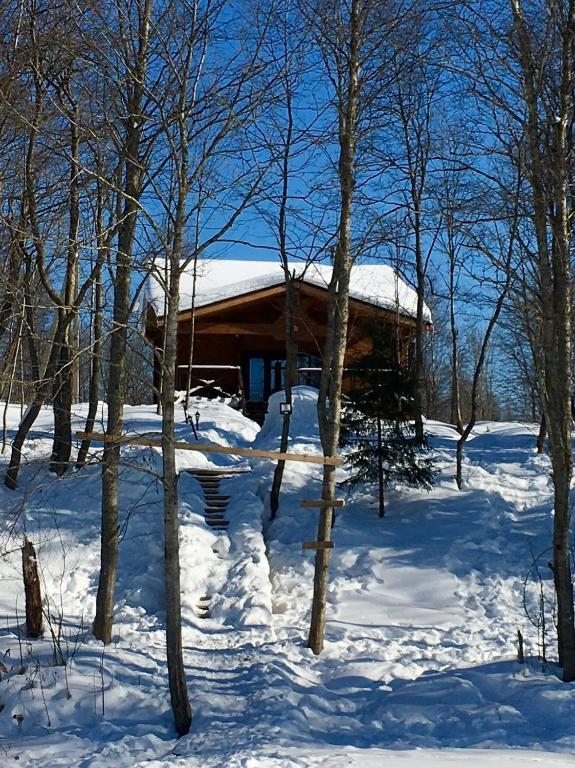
pixel 260 294
pixel 232 302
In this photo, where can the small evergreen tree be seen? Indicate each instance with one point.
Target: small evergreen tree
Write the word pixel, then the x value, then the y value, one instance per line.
pixel 377 429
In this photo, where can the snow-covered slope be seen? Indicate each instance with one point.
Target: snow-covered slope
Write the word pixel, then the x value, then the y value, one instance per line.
pixel 424 608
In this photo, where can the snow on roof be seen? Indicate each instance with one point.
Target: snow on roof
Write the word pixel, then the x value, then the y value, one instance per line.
pixel 220 279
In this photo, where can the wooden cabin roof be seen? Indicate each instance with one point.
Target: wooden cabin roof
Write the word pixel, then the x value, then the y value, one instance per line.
pixel 222 283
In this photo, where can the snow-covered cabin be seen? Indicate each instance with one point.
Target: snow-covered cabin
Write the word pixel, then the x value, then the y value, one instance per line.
pixel 235 311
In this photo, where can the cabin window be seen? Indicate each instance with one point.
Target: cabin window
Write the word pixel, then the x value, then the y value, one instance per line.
pixel 256 386
pixel 265 375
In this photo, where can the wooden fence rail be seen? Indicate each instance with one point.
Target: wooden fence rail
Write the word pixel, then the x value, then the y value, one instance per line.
pixel 252 453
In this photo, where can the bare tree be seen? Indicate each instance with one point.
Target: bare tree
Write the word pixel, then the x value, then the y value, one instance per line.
pixel 207 109
pixel 547 80
pixel 357 43
pixel 340 32
pixel 45 69
pixel 414 99
pixel 288 139
pixel 502 288
pixel 134 47
pixel 522 59
pixel 103 236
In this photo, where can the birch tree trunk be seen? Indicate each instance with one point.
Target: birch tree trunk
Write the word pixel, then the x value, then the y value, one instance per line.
pixel 96 360
pixel 506 261
pixel 135 84
pixel 181 708
pixel 64 382
pixel 550 169
pixel 329 401
pixel 103 241
pixel 455 395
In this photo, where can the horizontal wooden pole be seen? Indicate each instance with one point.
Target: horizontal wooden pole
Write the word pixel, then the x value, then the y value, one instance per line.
pixel 212 367
pixel 250 453
pixel 321 503
pixel 318 545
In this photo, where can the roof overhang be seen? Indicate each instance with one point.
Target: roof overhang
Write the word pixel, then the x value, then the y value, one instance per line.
pixel 362 307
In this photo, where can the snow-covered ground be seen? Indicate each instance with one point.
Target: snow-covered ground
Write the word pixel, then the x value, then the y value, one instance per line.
pixel 420 662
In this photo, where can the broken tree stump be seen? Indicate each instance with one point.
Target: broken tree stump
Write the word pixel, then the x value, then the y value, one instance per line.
pixel 32 591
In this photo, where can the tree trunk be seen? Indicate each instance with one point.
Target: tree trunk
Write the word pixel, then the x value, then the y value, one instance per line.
pixel 181 708
pixel 103 241
pixel 459 452
pixel 542 435
pixel 558 380
pixel 111 460
pixel 96 353
pixel 192 331
pixel 62 408
pixel 329 400
pixel 329 417
pixel 41 393
pixel 549 139
pixel 506 259
pixel 380 473
pixel 12 277
pixel 419 435
pixel 41 383
pixel 321 572
pixel 67 378
pixel 118 338
pixel 455 415
pixel 290 377
pixel 179 699
pixel 291 297
pixel 11 364
pixel 562 573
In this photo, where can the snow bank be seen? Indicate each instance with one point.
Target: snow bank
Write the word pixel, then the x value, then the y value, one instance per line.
pixel 303 420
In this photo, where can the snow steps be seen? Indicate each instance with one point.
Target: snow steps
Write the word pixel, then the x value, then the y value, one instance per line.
pixel 214 515
pixel 203 607
pixel 215 502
